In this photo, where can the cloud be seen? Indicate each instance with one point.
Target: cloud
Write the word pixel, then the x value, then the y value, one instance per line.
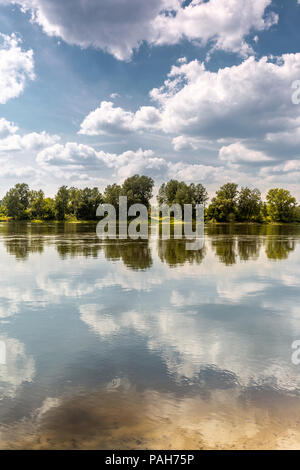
pixel 226 24
pixel 117 27
pixel 16 150
pixel 32 141
pixel 18 171
pixel 238 153
pixel 290 137
pixel 194 172
pixel 249 100
pixel 183 142
pixel 108 119
pixel 292 167
pixel 35 140
pixel 79 157
pixel 7 128
pixel 69 154
pixel 121 26
pixel 17 67
pixel 243 115
pixel 82 162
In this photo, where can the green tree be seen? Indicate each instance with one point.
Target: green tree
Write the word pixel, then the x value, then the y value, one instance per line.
pixel 138 190
pixel 74 201
pixel 111 194
pixel 89 200
pixel 49 209
pixel 161 197
pixel 199 194
pixel 179 192
pixel 16 201
pixel 23 190
pixel 36 204
pixel 223 207
pixel 183 194
pixel 249 205
pixel 167 192
pixel 3 212
pixel 61 203
pixel 297 214
pixel 281 205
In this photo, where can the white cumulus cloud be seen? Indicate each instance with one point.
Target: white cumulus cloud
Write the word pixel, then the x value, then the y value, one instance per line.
pixel 225 23
pixel 32 141
pixel 109 119
pixel 252 99
pixel 120 26
pixel 7 128
pixel 16 67
pixel 238 153
pixel 79 157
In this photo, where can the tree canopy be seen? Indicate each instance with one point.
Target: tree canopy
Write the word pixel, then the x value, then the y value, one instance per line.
pixel 178 192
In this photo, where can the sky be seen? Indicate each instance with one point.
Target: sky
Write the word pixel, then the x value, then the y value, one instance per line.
pixel 203 91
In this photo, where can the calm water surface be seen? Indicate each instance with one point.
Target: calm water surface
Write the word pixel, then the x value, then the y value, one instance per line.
pixel 141 344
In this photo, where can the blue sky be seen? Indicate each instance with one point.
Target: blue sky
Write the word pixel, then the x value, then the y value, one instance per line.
pixel 93 91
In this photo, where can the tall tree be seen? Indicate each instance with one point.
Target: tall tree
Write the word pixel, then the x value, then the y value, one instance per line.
pixel 138 190
pixel 61 203
pixel 16 201
pixel 183 194
pixel 199 194
pixel 74 200
pixel 281 205
pixel 161 197
pixel 223 206
pixel 23 190
pixel 249 205
pixel 111 194
pixel 49 209
pixel 37 204
pixel 89 200
pixel 179 192
pixel 168 192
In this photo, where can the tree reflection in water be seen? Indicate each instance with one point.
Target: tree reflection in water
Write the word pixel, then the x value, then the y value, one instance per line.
pixel 230 243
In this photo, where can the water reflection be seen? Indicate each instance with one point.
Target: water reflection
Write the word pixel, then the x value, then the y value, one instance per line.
pixel 249 248
pixel 174 252
pixel 19 367
pixel 279 249
pixel 229 242
pixel 135 255
pixel 110 340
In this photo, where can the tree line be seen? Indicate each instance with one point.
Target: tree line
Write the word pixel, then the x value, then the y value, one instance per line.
pixel 230 204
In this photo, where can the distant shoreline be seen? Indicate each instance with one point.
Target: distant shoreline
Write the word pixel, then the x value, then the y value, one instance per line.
pixel 95 221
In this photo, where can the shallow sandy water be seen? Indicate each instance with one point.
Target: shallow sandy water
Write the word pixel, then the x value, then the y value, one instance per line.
pixel 129 420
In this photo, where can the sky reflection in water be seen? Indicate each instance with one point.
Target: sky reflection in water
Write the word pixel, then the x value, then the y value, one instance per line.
pixel 193 339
